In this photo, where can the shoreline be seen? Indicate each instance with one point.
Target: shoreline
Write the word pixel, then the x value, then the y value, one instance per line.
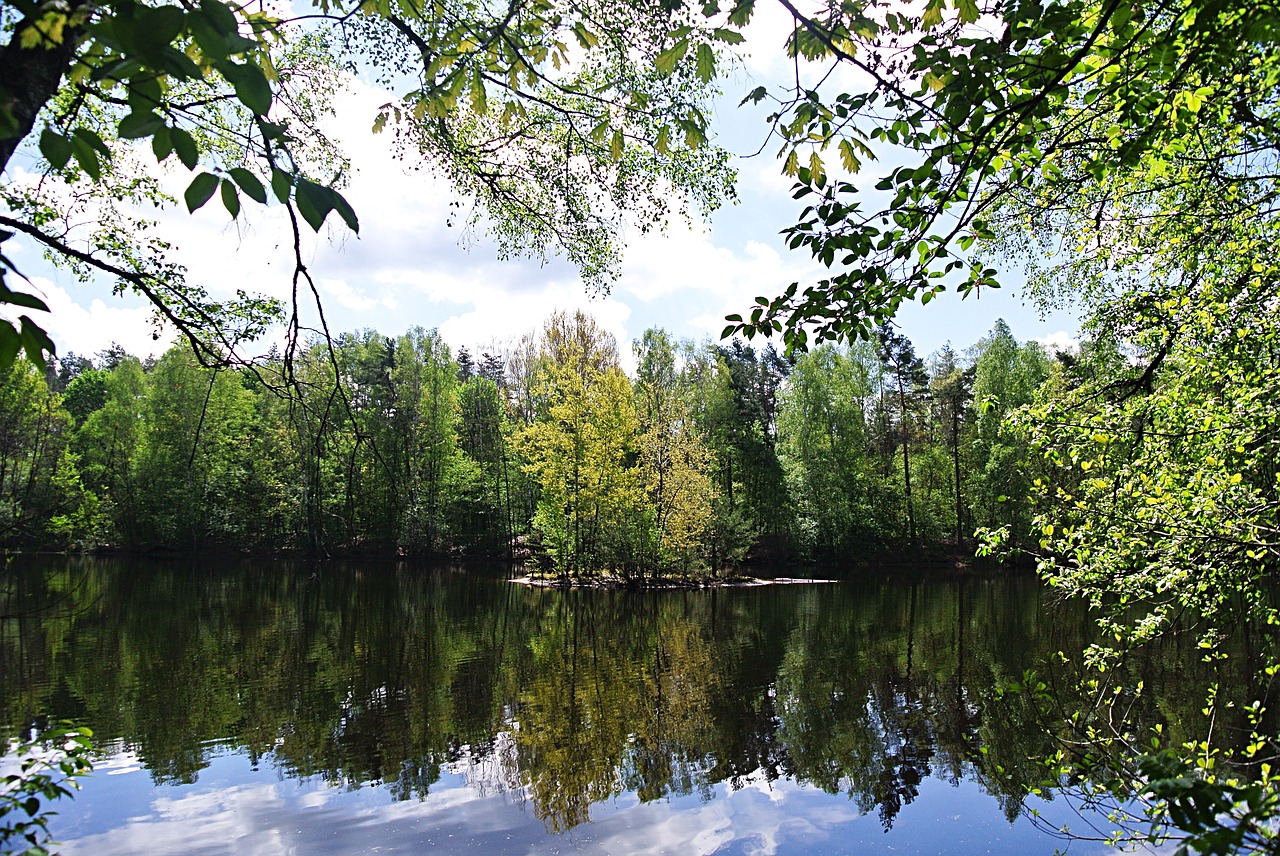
pixel 613 584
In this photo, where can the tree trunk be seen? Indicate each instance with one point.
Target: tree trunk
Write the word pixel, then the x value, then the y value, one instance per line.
pixel 906 459
pixel 955 458
pixel 29 77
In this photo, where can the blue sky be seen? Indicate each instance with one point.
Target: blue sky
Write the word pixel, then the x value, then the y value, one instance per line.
pixel 409 268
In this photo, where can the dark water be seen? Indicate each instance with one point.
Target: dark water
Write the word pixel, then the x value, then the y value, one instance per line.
pixel 270 708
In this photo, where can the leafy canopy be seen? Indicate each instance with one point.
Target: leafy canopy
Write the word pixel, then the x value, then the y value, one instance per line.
pixel 987 107
pixel 556 117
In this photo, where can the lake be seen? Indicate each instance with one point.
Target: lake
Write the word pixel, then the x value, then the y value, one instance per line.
pixel 268 707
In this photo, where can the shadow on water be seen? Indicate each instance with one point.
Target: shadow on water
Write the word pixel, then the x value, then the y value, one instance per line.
pixel 393 674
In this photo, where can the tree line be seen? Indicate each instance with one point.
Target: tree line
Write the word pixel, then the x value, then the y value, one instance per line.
pixel 709 455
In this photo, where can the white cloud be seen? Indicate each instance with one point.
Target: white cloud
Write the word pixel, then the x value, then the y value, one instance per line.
pixel 703 280
pixel 86 330
pixel 232 810
pixel 500 316
pixel 1060 342
pixel 347 296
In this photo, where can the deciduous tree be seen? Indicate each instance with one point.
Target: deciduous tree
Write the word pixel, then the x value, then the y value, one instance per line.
pixel 556 116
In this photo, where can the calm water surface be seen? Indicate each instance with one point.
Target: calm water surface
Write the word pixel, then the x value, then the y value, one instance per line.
pixel 275 708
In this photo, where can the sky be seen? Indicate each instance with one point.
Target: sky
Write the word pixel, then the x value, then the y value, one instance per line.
pixel 234 807
pixel 409 268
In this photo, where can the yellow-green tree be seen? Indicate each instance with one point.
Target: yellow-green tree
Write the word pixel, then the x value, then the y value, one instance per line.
pixel 592 513
pixel 674 461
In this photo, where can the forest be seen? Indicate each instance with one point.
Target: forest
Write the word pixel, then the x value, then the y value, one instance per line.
pixel 1123 154
pixel 712 455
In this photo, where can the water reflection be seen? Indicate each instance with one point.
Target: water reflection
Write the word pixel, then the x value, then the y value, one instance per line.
pixel 394 675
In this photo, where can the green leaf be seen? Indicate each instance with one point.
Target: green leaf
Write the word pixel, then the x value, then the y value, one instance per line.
pixel 586 38
pixel 932 14
pixel 345 211
pixel 9 344
pixel 138 125
pixel 741 14
pixel 666 61
pixel 35 341
pixel 792 164
pixel 249 183
pixel 211 42
pixel 200 190
pixel 157 26
pixel 968 10
pixel 184 146
pixel 220 16
pixel 272 130
pixel 145 92
pixel 662 145
pixel 706 60
pixel 847 157
pixel 161 144
pixel 177 64
pixel 86 155
pixel 731 37
pixel 314 202
pixel 55 148
pixel 479 97
pixel 121 69
pixel 250 84
pixel 230 198
pixel 18 298
pixel 92 140
pixel 281 184
pixel 817 171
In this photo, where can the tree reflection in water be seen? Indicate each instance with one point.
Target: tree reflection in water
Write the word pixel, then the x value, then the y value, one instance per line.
pixel 393 674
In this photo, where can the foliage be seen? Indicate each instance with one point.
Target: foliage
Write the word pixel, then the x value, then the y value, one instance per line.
pixel 42 498
pixel 591 514
pixel 555 116
pixel 49 765
pixel 951 387
pixel 106 442
pixel 384 452
pixel 986 107
pixel 394 447
pixel 906 376
pixel 1007 376
pixel 825 453
pixel 484 436
pixel 674 459
pixel 1219 818
pixel 740 422
pixel 1158 493
pixel 1126 154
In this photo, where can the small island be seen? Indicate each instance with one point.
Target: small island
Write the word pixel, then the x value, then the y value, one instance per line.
pixel 660 583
